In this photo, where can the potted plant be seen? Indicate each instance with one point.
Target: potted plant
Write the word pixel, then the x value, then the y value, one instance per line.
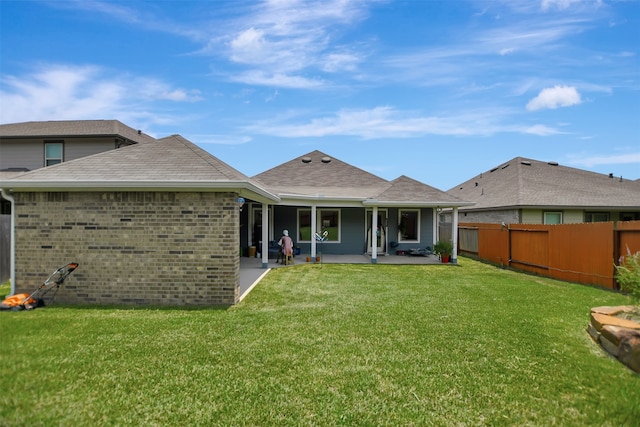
pixel 444 249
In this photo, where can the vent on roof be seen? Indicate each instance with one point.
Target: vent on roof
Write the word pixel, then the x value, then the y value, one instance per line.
pixel 306 160
pixel 610 175
pixel 525 162
pixel 505 166
pixel 494 169
pixel 326 159
pixel 553 163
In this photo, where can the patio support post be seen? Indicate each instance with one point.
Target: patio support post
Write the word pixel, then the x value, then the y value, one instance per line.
pixel 313 233
pixel 434 225
pixel 454 236
pixel 374 235
pixel 265 235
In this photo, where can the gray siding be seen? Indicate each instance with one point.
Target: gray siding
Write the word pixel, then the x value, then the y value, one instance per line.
pixel 508 216
pixel 29 153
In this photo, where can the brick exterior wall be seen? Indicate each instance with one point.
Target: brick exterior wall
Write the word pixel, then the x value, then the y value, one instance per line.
pixel 134 248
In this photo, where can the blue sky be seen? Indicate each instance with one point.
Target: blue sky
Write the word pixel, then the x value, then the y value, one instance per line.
pixel 436 90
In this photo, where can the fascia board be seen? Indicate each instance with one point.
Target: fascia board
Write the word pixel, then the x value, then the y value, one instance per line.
pixel 319 199
pixel 403 204
pixel 244 188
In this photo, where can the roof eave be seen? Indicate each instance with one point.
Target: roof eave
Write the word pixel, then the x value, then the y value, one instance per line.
pixel 416 204
pixel 246 189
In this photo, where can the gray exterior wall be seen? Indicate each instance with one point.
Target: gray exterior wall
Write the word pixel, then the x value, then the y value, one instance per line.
pixel 508 216
pixel 134 248
pixel 353 230
pixel 29 153
pixel 426 230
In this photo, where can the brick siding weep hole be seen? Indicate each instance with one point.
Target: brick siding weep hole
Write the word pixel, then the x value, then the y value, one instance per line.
pixel 134 248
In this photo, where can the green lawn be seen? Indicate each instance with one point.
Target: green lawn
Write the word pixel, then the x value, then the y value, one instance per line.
pixel 327 345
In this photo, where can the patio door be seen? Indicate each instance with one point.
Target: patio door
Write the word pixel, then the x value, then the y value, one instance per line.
pixel 377 235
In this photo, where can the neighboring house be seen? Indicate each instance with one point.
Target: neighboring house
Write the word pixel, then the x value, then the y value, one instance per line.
pixel 360 212
pixel 154 223
pixel 526 191
pixel 33 145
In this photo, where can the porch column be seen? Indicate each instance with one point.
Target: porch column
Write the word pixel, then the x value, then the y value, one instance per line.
pixel 313 233
pixel 454 236
pixel 434 226
pixel 374 236
pixel 265 235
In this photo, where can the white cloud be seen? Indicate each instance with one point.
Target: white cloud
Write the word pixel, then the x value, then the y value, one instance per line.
pixel 282 39
pixel 379 122
pixel 558 4
pixel 506 51
pixel 552 98
pixel 334 62
pixel 541 130
pixel 64 92
pixel 257 77
pixel 389 122
pixel 614 159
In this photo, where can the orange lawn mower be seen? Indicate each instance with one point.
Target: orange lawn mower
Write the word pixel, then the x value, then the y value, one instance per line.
pixel 36 299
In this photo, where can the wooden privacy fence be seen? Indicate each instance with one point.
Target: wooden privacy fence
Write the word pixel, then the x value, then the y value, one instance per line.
pixel 583 253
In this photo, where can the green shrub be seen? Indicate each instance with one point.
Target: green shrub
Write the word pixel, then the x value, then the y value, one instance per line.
pixel 628 274
pixel 443 247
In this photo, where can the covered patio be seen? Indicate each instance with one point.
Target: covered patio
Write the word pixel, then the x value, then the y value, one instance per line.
pixel 252 269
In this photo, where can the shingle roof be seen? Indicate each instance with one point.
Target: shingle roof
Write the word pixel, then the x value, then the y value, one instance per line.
pixel 523 182
pixel 317 175
pixel 73 128
pixel 171 162
pixel 407 190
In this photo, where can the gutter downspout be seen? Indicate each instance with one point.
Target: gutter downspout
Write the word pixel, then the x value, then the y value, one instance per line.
pixel 12 265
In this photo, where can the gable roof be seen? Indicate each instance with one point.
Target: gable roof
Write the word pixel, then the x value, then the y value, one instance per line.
pixel 320 177
pixel 172 163
pixel 523 182
pixel 317 175
pixel 73 128
pixel 405 190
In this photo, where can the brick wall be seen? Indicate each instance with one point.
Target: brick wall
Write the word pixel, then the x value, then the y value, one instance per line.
pixel 134 248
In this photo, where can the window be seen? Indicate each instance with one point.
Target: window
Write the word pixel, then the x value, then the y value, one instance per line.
pixel 326 220
pixel 596 216
pixel 52 153
pixel 553 218
pixel 409 227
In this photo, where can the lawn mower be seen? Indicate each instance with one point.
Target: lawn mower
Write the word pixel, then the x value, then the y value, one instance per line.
pixel 36 298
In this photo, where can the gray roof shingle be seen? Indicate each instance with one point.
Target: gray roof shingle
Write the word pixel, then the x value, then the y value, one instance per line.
pixel 523 182
pixel 407 190
pixel 168 163
pixel 73 128
pixel 317 175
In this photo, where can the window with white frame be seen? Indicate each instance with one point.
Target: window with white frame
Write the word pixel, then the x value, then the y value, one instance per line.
pixel 326 220
pixel 553 218
pixel 409 225
pixel 53 153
